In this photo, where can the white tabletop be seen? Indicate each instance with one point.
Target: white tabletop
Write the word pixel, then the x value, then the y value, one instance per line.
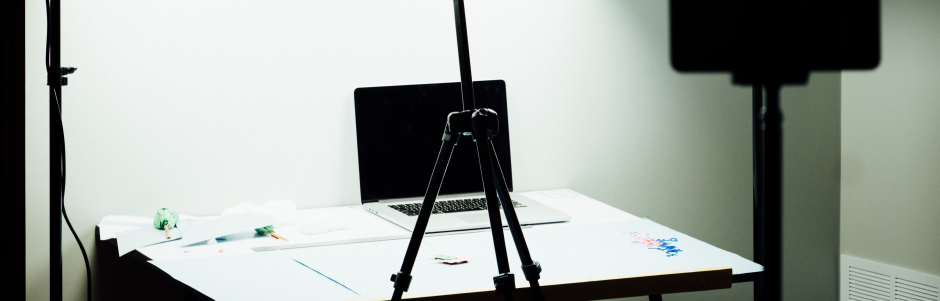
pixel 354 223
pixel 598 241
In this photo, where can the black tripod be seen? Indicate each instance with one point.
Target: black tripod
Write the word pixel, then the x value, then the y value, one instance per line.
pixel 482 125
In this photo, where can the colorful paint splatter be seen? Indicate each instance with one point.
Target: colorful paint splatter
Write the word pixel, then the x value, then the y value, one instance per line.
pixel 665 245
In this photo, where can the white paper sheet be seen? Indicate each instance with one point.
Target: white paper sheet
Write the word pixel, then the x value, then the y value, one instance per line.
pixel 566 253
pixel 130 240
pixel 258 276
pixel 186 221
pixel 366 267
pixel 112 224
pixel 243 222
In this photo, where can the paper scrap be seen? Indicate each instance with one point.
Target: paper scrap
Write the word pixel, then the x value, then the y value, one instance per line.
pixel 242 222
pixel 133 239
pixel 455 260
pixel 443 257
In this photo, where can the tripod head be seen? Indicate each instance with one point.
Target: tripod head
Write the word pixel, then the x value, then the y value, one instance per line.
pixel 461 123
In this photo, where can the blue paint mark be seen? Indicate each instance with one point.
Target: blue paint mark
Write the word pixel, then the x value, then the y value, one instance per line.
pixel 666 246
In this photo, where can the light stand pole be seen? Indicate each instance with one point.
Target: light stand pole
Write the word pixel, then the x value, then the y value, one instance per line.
pixel 768 176
pixel 772 120
pixel 758 216
pixel 54 80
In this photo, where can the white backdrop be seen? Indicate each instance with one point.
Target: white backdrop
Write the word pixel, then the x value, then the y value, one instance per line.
pixel 199 105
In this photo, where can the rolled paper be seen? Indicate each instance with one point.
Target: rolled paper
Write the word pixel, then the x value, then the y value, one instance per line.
pixel 265 230
pixel 165 219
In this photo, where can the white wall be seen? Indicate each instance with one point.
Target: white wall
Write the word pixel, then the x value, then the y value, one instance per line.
pixel 891 144
pixel 200 105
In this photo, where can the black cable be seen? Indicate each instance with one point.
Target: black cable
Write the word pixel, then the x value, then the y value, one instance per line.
pixel 62 183
pixel 64 214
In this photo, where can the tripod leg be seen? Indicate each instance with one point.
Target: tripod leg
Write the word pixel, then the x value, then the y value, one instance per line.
pixel 505 283
pixel 403 278
pixel 529 268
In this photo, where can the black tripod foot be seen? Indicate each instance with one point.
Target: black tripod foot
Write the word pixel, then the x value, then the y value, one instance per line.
pixel 505 284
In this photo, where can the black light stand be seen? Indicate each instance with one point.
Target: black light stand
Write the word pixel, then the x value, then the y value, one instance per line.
pixel 54 80
pixel 768 176
pixel 768 247
pixel 758 216
pixel 482 125
pixel 767 44
pixel 771 280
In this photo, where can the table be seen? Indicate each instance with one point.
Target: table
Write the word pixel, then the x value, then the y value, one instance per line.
pixel 326 271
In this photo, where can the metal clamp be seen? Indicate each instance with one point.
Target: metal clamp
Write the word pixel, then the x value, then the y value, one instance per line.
pixel 532 271
pixel 402 281
pixel 63 71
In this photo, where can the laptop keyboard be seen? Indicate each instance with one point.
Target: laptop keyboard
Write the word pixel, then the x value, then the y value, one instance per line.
pixel 448 206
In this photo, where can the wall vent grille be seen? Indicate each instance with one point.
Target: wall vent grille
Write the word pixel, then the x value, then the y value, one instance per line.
pixel 864 280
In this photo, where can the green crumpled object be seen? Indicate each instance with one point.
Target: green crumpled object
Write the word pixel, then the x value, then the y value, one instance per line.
pixel 165 217
pixel 265 230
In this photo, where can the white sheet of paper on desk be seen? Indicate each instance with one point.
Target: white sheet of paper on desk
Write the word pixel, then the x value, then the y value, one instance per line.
pixel 187 221
pixel 133 239
pixel 225 225
pixel 566 252
pixel 110 225
pixel 365 267
pixel 256 276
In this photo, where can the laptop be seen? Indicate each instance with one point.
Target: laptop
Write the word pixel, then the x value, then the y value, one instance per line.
pixel 398 132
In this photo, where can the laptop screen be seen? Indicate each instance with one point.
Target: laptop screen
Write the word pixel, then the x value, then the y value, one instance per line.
pixel 399 130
